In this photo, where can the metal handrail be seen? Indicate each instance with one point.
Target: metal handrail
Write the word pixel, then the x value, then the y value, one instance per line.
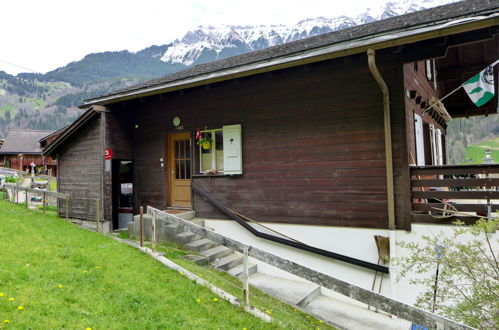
pixel 297 245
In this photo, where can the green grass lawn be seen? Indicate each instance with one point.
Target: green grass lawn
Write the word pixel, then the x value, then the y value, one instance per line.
pixel 477 152
pixel 56 275
pixel 53 185
pixel 288 316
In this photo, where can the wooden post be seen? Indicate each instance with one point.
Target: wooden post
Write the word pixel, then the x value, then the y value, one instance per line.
pixel 43 201
pixel 142 226
pixel 153 231
pixel 245 277
pixel 67 207
pixel 97 214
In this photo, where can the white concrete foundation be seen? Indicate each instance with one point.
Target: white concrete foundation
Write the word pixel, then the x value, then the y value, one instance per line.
pixel 353 242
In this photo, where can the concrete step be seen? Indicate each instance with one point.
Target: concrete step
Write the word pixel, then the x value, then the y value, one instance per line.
pixel 290 291
pixel 216 252
pixel 185 237
pixel 200 245
pixel 200 260
pixel 228 262
pixel 237 271
pixel 188 215
pixel 351 316
pixel 199 222
pixel 173 229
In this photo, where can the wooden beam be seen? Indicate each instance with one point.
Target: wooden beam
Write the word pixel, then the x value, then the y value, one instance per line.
pixel 423 50
pixel 100 108
pixel 459 72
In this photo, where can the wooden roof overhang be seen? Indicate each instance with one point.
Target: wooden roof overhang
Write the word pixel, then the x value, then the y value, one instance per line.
pixel 424 41
pixel 463 61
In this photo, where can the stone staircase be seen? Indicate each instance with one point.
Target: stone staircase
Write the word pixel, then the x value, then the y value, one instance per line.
pixel 332 308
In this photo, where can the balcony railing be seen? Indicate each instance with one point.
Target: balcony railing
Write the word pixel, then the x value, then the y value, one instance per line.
pixel 443 194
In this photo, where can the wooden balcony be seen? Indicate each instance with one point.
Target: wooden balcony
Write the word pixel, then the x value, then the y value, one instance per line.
pixel 444 194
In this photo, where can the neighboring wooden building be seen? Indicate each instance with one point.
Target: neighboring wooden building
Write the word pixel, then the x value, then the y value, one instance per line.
pixel 23 147
pixel 300 133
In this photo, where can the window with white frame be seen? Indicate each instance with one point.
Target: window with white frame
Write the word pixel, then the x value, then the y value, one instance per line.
pixel 220 150
pixel 431 72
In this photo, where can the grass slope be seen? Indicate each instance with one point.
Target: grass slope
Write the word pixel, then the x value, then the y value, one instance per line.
pixel 62 276
pixel 477 152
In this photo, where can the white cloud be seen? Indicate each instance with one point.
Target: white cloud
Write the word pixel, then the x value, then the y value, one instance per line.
pixel 44 35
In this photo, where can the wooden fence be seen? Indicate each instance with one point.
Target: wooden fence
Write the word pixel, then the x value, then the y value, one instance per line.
pixel 443 194
pixel 16 189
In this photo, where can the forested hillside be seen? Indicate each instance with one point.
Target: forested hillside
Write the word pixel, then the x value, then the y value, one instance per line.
pixel 50 101
pixel 34 104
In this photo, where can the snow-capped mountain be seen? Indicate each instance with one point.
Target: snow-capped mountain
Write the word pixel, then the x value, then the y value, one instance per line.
pixel 209 43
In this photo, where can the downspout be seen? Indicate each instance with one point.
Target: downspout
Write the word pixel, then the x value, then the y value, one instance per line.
pixel 389 164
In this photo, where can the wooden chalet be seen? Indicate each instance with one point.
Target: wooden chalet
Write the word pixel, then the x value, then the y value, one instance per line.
pixel 23 147
pixel 329 132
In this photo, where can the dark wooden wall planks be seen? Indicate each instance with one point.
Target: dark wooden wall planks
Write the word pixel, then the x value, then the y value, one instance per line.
pixel 79 165
pixel 313 143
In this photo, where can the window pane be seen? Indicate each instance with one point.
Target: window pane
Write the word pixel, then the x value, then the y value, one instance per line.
pixel 188 166
pixel 188 149
pixel 177 169
pixel 219 136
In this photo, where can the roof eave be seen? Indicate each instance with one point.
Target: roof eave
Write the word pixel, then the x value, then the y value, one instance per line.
pixel 20 152
pixel 379 41
pixel 84 118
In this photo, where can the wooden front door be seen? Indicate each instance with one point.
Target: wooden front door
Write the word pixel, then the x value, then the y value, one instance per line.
pixel 179 169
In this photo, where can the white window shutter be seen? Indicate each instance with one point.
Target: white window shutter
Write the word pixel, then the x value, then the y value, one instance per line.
pixel 418 127
pixel 233 160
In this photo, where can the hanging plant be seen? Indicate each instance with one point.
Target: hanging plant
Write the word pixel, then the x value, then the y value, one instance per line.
pixel 205 142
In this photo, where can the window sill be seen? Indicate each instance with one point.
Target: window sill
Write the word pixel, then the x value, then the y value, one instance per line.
pixel 200 175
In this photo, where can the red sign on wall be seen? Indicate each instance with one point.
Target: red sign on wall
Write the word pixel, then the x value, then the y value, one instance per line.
pixel 108 154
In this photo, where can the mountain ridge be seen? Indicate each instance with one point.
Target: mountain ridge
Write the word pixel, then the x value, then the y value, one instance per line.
pixel 50 100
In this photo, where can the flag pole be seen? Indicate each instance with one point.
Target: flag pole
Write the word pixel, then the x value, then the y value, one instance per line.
pixel 453 91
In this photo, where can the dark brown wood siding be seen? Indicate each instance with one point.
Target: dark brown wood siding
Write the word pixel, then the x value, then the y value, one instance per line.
pixel 417 81
pixel 313 143
pixel 119 138
pixel 80 162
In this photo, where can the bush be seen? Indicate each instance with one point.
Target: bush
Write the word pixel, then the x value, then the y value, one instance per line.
pixel 11 179
pixel 468 280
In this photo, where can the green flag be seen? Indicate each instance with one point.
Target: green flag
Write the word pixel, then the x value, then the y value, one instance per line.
pixel 480 87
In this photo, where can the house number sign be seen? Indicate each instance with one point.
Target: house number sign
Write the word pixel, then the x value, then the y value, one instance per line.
pixel 108 153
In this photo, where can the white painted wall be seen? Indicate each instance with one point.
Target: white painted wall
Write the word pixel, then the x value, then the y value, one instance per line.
pixel 354 242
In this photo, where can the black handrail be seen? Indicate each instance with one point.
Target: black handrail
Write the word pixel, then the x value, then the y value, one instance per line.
pixel 297 245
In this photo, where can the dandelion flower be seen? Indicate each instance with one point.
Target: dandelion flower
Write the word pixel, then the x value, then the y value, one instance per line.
pixel 198 300
pixel 320 321
pixel 268 311
pixel 11 299
pixel 6 321
pixel 2 294
pixel 215 299
pixel 20 307
pixel 181 273
pixel 88 328
pixel 60 286
pixel 97 267
pixel 85 271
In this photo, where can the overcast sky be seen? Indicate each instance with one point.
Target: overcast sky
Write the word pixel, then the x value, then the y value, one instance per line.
pixel 42 35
